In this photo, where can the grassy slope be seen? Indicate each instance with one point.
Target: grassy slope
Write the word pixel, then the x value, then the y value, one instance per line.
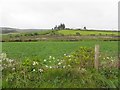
pixel 73 32
pixel 56 49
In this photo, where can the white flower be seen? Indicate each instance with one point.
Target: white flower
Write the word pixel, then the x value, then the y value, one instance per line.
pixel 35 63
pixel 13 69
pixel 10 60
pixel 50 57
pixel 44 60
pixel 83 69
pixel 59 63
pixel 69 56
pixel 63 66
pixel 33 70
pixel 46 66
pixel 49 61
pixel 112 60
pixel 50 66
pixel 40 70
pixel 53 57
pixel 68 65
pixel 107 57
pixel 64 54
pixel 3 55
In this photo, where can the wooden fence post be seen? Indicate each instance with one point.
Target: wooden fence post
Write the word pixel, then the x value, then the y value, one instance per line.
pixel 96 61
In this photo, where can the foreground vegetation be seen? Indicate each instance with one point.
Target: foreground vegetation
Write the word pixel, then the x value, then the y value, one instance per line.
pixel 75 70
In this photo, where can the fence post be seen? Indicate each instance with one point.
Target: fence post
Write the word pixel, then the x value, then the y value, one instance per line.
pixel 96 61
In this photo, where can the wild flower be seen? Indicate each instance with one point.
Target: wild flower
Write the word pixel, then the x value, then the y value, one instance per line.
pixel 53 58
pixel 13 69
pixel 50 66
pixel 44 60
pixel 63 66
pixel 33 70
pixel 50 57
pixel 107 57
pixel 10 60
pixel 35 63
pixel 46 66
pixel 112 60
pixel 40 70
pixel 64 54
pixel 83 69
pixel 3 55
pixel 69 66
pixel 59 63
pixel 69 56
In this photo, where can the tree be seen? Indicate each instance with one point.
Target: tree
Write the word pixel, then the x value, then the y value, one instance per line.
pixel 84 28
pixel 59 27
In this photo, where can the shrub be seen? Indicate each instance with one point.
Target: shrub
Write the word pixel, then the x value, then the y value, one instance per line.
pixel 82 58
pixel 77 33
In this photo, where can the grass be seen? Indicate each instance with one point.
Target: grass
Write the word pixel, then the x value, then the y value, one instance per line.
pixel 73 72
pixel 44 49
pixel 85 32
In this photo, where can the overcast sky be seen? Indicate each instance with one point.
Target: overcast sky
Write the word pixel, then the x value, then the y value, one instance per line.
pixel 94 14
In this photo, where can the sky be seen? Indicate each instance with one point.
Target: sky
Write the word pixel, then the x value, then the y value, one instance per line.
pixel 45 14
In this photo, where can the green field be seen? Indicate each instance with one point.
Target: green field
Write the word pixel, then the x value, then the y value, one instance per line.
pixel 87 32
pixel 43 50
pixel 53 65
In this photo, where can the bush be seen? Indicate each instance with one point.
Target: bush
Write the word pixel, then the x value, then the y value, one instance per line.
pixel 82 58
pixel 77 33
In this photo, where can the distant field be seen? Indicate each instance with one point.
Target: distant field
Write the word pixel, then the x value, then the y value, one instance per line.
pixel 20 50
pixel 85 32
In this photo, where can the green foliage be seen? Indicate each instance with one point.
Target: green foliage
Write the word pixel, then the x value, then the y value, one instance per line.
pixel 81 58
pixel 72 71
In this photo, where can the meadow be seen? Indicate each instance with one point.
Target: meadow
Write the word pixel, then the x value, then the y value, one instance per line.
pixel 45 49
pixel 59 65
pixel 87 32
pixel 58 62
